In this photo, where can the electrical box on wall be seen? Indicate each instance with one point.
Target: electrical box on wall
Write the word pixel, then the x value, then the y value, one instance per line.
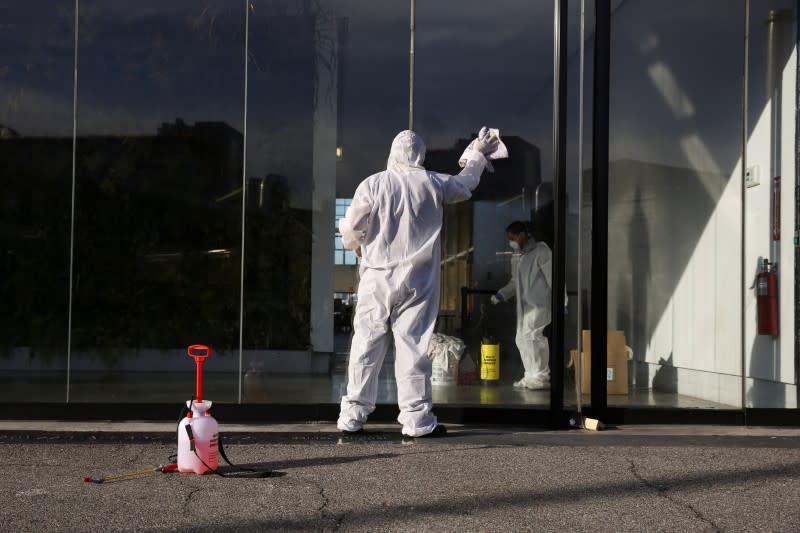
pixel 751 176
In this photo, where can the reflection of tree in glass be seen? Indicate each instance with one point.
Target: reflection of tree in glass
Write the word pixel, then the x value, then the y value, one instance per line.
pixel 156 255
pixel 277 272
pixel 157 246
pixel 34 230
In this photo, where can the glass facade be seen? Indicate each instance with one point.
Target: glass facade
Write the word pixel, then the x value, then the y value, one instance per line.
pixel 675 201
pixel 157 234
pixel 172 171
pixel 688 221
pixel 36 90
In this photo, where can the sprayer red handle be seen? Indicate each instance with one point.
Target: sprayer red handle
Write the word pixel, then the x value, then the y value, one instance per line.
pixel 198 359
pixel 198 347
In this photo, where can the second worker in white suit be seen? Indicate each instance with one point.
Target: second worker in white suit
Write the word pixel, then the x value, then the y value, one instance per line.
pixel 531 288
pixel 394 223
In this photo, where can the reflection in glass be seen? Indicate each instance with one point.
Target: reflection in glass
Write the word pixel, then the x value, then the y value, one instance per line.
pixel 342 256
pixel 36 88
pixel 285 66
pixel 324 95
pixel 158 216
pixel 675 201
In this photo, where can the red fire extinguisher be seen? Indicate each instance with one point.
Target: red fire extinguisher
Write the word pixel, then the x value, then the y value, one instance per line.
pixel 767 296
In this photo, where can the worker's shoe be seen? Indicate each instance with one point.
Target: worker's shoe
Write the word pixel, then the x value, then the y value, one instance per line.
pixel 349 427
pixel 519 384
pixel 537 384
pixel 438 431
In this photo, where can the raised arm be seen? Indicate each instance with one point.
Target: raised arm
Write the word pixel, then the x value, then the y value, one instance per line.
pixel 459 187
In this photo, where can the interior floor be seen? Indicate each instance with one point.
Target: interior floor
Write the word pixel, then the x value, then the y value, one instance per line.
pixel 273 388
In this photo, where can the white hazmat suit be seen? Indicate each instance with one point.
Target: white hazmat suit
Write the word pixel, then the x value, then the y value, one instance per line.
pixel 395 219
pixel 531 287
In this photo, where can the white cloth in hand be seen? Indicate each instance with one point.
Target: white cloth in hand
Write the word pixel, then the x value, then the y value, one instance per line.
pixel 500 152
pixel 487 142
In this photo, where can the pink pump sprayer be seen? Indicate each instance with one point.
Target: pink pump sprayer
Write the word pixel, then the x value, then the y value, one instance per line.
pixel 198 432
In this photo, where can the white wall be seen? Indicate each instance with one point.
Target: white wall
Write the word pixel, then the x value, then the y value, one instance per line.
pixel 674 271
pixel 770 361
pixel 701 325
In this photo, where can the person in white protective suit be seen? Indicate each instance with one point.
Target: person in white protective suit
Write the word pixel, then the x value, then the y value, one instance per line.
pixel 393 224
pixel 531 287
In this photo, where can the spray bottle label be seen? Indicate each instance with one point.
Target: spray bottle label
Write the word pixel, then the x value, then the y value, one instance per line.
pixel 490 362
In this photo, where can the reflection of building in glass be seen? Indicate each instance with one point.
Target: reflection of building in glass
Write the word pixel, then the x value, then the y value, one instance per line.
pixel 345 281
pixel 295 57
pixel 34 232
pixel 342 256
pixel 162 212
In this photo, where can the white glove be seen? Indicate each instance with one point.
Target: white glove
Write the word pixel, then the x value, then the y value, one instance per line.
pixel 486 143
pixel 496 299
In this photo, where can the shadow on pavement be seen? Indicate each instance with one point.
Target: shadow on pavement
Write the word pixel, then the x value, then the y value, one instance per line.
pixel 478 503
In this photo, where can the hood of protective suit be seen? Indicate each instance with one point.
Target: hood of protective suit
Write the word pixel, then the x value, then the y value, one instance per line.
pixel 408 150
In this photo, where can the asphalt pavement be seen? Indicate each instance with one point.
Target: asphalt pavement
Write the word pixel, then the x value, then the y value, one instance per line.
pixel 307 477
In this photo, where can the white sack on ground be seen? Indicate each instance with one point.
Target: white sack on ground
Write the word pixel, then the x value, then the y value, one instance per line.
pixel 445 353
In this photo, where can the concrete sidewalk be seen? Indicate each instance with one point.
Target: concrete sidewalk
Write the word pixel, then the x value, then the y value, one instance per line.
pixel 637 478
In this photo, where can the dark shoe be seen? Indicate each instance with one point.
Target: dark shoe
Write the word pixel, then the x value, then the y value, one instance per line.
pixel 438 431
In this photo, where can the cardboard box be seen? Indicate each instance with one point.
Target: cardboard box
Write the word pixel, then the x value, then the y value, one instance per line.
pixel 617 363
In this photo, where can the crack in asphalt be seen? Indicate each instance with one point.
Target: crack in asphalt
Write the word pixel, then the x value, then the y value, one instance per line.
pixel 192 491
pixel 188 498
pixel 338 519
pixel 323 508
pixel 325 501
pixel 664 493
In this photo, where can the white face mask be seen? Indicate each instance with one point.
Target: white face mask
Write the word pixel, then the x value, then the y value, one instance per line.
pixel 514 245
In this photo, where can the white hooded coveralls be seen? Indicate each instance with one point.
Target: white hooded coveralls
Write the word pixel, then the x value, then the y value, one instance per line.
pixel 395 218
pixel 531 286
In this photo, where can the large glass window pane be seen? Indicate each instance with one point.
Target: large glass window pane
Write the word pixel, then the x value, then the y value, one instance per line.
pixel 36 79
pixel 493 67
pixel 158 225
pixel 674 209
pixel 327 92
